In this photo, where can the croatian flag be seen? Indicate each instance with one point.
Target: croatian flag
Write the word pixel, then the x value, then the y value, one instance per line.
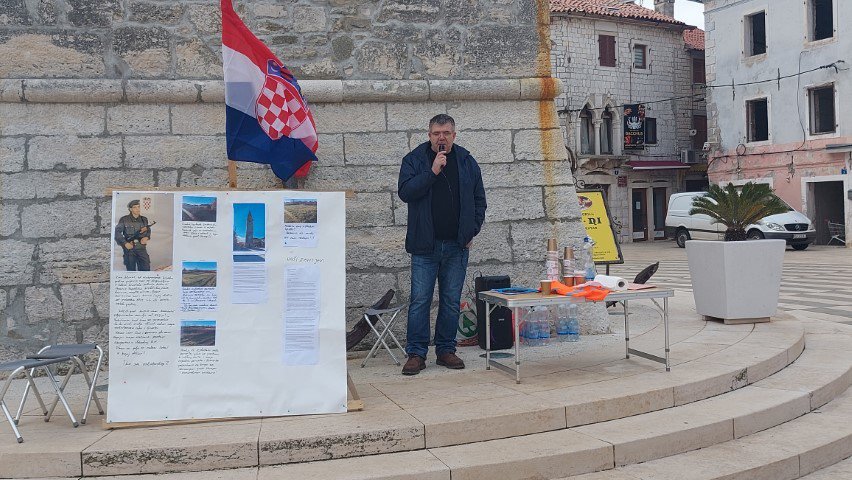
pixel 267 119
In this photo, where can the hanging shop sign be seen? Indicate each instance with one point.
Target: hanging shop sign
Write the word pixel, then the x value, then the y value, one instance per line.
pixel 634 126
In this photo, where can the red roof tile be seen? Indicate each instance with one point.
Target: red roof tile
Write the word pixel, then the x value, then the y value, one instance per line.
pixel 694 38
pixel 611 8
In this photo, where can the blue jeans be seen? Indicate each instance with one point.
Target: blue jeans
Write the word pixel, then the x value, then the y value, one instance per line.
pixel 447 264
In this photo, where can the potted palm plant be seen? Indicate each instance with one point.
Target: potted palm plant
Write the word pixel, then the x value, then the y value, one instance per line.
pixel 735 280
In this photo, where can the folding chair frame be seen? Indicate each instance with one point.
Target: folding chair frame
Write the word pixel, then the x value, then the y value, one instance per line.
pixel 28 367
pixel 76 356
pixel 386 331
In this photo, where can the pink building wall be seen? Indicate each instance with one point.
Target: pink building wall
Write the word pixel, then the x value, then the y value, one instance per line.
pixel 774 161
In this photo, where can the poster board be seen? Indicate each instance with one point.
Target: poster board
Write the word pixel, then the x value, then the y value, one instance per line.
pixel 594 213
pixel 241 312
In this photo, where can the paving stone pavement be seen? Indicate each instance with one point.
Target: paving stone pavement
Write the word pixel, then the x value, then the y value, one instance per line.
pixel 816 283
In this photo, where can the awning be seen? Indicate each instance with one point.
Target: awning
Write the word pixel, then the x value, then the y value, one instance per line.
pixel 656 165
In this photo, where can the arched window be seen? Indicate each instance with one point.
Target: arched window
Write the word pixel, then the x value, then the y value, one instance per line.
pixel 606 131
pixel 587 133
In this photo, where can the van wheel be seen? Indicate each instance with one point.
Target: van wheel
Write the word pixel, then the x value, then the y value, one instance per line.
pixel 799 246
pixel 681 236
pixel 755 235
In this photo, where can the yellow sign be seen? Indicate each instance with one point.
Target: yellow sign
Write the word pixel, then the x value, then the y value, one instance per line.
pixel 595 215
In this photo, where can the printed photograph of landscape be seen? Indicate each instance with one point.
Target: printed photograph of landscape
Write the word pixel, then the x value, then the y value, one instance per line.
pixel 198 333
pixel 199 274
pixel 249 227
pixel 300 210
pixel 198 209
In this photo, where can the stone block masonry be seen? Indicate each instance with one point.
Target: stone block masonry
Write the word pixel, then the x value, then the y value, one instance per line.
pixel 320 39
pixel 131 96
pixel 55 232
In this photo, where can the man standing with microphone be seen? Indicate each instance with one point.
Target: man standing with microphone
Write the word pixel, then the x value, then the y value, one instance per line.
pixel 442 185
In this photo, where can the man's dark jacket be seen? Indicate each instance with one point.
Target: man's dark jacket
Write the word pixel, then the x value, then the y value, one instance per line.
pixel 415 189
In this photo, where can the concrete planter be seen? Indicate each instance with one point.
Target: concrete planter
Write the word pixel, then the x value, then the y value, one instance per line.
pixel 737 282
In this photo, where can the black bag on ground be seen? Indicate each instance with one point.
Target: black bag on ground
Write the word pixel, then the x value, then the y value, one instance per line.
pixel 502 336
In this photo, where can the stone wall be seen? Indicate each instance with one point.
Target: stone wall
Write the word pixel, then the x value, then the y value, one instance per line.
pixel 321 39
pixel 64 141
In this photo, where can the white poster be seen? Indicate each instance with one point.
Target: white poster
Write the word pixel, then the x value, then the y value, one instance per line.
pixel 222 302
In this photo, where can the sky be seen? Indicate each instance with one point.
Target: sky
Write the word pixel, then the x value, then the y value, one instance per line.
pixel 199 265
pixel 687 12
pixel 190 200
pixel 198 323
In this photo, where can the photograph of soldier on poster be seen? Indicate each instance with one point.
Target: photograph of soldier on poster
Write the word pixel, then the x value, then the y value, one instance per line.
pixel 143 225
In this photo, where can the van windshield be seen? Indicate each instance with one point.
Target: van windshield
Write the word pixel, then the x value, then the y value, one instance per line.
pixel 789 208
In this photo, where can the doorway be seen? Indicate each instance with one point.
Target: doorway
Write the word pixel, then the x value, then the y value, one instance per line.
pixel 660 209
pixel 639 207
pixel 828 207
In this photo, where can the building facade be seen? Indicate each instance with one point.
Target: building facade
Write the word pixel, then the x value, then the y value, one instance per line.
pixel 612 55
pixel 778 106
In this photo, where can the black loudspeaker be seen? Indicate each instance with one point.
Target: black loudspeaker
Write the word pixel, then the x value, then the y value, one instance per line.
pixel 502 336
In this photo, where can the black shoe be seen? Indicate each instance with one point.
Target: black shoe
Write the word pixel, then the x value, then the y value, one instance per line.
pixel 414 364
pixel 450 360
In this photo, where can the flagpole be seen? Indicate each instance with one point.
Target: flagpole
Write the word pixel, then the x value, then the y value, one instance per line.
pixel 232 174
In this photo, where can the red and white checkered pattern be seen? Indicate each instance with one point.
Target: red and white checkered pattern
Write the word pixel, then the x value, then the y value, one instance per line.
pixel 279 108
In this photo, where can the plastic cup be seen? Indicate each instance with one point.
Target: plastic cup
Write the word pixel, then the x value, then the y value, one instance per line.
pixel 546 286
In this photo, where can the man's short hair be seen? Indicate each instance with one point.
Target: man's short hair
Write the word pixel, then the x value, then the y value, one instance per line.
pixel 442 119
pixel 132 204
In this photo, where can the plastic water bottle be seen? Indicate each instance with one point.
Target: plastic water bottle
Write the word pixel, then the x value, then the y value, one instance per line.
pixel 531 328
pixel 544 327
pixel 573 324
pixel 588 247
pixel 562 319
pixel 523 327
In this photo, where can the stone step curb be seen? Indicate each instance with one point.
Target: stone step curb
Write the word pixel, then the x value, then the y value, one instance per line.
pixel 385 428
pixel 807 447
pixel 788 450
pixel 842 469
pixel 706 423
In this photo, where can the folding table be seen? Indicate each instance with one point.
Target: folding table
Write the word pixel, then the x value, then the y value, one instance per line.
pixel 516 302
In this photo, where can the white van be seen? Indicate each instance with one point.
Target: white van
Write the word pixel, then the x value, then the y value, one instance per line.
pixel 791 226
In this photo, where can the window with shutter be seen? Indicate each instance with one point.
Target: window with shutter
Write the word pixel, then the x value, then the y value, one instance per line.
pixel 699 123
pixel 821 19
pixel 755 34
pixel 698 72
pixel 640 59
pixel 822 109
pixel 606 50
pixel 757 114
pixel 650 131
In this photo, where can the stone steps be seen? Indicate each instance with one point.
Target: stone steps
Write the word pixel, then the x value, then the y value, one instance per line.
pixel 807 447
pixel 839 470
pixel 555 418
pixel 820 374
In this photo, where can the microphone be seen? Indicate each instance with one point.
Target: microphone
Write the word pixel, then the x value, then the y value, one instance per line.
pixel 441 149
